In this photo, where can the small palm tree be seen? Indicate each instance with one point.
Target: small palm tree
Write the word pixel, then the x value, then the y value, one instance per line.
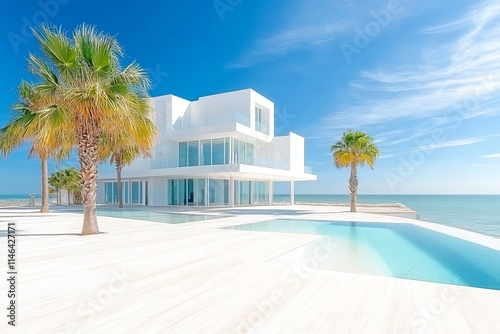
pixel 71 182
pixel 45 127
pixel 56 181
pixel 354 149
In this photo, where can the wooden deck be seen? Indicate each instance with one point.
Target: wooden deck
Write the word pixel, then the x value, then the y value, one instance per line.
pixel 145 277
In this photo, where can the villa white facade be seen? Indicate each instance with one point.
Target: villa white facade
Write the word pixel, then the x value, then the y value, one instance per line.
pixel 217 151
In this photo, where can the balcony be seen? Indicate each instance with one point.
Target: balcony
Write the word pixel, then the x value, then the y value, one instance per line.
pixel 216 119
pixel 262 127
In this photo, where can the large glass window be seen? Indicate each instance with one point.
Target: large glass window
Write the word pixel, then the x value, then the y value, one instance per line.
pixel 183 154
pixel 108 192
pixel 111 192
pixel 242 192
pixel 218 151
pixel 136 192
pixel 181 192
pixel 249 154
pixel 190 192
pixel 227 150
pixel 239 151
pixel 218 192
pixel 258 119
pixel 206 155
pixel 172 192
pixel 193 152
pixel 115 192
pixel 260 192
pixel 261 116
pixel 200 192
pixel 251 192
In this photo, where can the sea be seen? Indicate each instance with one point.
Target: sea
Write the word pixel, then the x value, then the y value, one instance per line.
pixel 478 213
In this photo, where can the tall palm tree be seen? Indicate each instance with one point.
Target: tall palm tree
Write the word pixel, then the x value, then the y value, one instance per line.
pixel 83 76
pixel 45 127
pixel 125 148
pixel 354 149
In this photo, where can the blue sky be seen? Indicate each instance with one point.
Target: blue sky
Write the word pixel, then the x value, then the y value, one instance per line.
pixel 422 79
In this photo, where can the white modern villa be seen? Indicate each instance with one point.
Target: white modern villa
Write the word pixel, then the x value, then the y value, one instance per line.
pixel 217 151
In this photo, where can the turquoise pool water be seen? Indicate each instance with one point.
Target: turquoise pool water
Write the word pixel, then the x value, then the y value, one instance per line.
pixel 393 250
pixel 159 217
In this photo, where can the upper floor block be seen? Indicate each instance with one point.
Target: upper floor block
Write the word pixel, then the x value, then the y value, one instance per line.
pixel 243 112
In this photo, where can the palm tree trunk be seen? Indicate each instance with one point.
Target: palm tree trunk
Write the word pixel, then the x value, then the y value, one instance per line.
pixel 45 186
pixel 118 165
pixel 88 139
pixel 353 186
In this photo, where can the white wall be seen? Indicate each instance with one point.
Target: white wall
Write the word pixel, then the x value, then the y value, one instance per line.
pixel 100 192
pixel 226 104
pixel 296 153
pixel 281 151
pixel 179 108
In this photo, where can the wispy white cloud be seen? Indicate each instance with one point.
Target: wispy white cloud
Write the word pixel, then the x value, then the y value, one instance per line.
pixel 457 25
pixel 455 143
pixel 290 40
pixel 318 24
pixel 491 156
pixel 387 156
pixel 459 79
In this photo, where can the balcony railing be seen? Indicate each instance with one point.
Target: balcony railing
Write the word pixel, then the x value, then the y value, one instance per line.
pixel 215 119
pixel 262 127
pixel 174 163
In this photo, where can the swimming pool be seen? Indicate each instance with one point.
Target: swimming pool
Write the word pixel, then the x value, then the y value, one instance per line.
pixel 154 216
pixel 395 250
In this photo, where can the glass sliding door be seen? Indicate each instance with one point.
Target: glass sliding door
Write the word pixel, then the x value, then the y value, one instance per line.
pixel 137 192
pixel 172 192
pixel 200 192
pixel 260 191
pixel 108 192
pixel 242 192
pixel 218 192
pixel 181 192
pixel 190 192
pixel 111 192
pixel 125 192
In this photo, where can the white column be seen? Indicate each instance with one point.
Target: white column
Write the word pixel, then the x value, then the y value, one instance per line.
pixel 231 192
pixel 270 190
pixel 292 192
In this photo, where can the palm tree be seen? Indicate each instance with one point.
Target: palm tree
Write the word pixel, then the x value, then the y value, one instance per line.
pixel 56 181
pixel 83 76
pixel 354 149
pixel 71 182
pixel 45 128
pixel 125 148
